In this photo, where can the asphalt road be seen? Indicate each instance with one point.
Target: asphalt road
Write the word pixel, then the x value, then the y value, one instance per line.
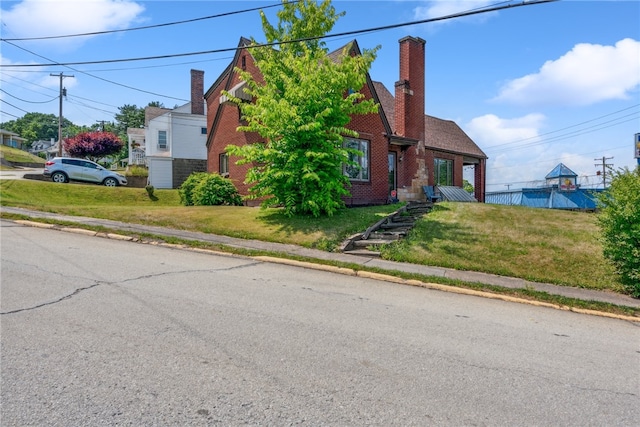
pixel 104 332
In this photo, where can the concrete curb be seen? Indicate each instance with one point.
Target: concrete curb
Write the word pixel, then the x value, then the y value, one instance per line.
pixel 340 270
pixel 444 288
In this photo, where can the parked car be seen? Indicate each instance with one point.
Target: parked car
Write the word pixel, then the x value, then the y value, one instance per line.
pixel 65 169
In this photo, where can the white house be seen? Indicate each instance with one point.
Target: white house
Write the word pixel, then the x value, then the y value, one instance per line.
pixel 176 140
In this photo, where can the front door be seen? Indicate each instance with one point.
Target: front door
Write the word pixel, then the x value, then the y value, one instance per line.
pixel 392 177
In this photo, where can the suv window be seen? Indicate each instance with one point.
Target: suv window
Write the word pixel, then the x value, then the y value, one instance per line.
pixel 73 162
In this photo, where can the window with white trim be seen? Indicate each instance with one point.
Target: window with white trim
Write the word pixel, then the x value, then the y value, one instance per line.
pixel 359 171
pixel 162 139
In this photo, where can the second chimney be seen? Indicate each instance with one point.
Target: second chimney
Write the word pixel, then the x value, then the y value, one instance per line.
pixel 197 92
pixel 409 90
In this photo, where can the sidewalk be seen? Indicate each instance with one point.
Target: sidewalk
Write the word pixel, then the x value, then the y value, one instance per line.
pixel 469 276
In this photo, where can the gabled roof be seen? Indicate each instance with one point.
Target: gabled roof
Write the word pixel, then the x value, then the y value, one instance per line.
pixel 560 171
pixel 443 135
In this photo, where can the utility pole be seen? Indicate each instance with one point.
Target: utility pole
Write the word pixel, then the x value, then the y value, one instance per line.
pixel 101 124
pixel 63 92
pixel 604 165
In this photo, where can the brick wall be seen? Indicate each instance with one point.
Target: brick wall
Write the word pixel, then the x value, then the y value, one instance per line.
pixel 197 92
pixel 182 168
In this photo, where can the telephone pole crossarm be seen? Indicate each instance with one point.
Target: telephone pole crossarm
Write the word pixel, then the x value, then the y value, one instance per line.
pixel 604 165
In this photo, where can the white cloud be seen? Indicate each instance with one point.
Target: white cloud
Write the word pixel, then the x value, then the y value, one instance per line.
pixel 41 18
pixel 490 130
pixel 587 74
pixel 505 135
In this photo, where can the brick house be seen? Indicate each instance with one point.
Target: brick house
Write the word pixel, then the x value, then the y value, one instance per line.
pixel 404 149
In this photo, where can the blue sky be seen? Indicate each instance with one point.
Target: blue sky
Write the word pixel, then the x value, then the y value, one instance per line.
pixel 533 86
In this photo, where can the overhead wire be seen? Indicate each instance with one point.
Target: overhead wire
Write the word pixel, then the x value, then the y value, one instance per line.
pixel 147 27
pixel 304 39
pixel 496 6
pixel 590 129
pixel 28 102
pixel 490 148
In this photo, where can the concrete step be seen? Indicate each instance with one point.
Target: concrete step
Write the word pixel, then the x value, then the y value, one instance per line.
pixel 371 242
pixel 364 253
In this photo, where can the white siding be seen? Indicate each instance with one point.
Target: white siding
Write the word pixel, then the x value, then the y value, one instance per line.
pixel 187 140
pixel 160 172
pixel 157 124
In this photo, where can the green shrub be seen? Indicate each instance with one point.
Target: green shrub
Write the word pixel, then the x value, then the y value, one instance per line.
pixel 619 222
pixel 186 189
pixel 136 170
pixel 204 189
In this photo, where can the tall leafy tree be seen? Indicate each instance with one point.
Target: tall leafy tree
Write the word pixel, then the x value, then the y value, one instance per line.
pixel 93 145
pixel 36 126
pixel 619 222
pixel 301 110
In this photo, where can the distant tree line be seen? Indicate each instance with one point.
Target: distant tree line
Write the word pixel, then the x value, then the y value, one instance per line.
pixel 44 127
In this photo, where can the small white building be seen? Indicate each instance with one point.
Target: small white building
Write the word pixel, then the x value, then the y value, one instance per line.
pixel 176 139
pixel 136 143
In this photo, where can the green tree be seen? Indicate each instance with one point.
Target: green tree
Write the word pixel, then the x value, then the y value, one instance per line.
pixel 619 222
pixel 36 126
pixel 467 186
pixel 301 111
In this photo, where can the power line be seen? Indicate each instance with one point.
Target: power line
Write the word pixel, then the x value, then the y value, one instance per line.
pixel 262 45
pixel 9 114
pixel 590 129
pixel 560 130
pixel 520 165
pixel 17 108
pixel 29 102
pixel 101 78
pixel 186 21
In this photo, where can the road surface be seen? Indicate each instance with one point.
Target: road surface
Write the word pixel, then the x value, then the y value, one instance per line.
pixel 104 332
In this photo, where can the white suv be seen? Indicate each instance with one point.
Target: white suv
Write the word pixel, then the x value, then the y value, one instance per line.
pixel 65 169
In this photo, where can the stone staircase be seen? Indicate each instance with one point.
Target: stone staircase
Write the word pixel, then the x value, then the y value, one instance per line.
pixel 390 229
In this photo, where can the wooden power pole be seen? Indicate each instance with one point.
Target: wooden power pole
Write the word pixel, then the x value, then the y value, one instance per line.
pixel 62 93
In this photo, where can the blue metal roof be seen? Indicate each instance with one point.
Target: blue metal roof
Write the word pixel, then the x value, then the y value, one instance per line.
pixel 561 170
pixel 549 198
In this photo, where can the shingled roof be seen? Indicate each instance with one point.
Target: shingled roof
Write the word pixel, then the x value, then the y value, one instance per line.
pixel 443 135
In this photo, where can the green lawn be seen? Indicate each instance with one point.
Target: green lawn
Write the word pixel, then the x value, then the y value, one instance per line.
pixel 535 244
pixel 15 155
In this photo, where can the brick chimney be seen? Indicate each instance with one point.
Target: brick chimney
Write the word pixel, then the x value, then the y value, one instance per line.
pixel 409 90
pixel 197 92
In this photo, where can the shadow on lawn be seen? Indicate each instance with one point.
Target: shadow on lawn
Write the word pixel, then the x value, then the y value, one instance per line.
pixel 451 238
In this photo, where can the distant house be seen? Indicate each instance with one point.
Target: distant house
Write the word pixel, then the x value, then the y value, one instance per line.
pixel 49 148
pixel 560 191
pixel 175 139
pixel 136 145
pixel 12 139
pixel 404 149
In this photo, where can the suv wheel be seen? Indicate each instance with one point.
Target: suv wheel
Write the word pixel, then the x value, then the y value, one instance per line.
pixel 58 177
pixel 110 182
